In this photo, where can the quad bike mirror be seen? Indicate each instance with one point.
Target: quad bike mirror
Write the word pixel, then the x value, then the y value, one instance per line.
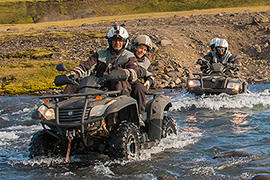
pixel 61 67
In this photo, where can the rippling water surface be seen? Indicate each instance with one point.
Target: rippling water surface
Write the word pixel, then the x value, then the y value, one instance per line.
pixel 207 126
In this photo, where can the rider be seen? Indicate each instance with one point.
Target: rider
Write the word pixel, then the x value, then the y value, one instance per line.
pixel 222 55
pixel 213 44
pixel 104 61
pixel 141 46
pixel 202 62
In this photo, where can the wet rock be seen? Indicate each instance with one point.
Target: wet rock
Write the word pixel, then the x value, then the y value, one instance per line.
pixel 261 177
pixel 230 154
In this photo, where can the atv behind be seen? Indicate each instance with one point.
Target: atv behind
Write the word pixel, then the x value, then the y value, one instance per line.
pixel 216 81
pixel 98 120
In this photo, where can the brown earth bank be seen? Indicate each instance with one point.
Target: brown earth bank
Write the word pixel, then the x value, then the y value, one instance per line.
pixel 179 41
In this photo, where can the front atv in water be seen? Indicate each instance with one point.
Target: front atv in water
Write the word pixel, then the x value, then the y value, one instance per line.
pixel 216 82
pixel 98 120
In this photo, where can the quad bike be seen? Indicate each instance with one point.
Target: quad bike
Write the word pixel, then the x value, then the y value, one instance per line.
pixel 98 120
pixel 216 81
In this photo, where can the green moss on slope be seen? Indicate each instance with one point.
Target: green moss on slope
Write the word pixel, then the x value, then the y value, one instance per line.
pixel 33 11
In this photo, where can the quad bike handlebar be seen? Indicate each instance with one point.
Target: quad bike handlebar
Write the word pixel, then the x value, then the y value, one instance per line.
pixel 114 75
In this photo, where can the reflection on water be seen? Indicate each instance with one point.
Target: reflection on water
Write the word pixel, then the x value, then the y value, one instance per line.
pixel 190 129
pixel 240 123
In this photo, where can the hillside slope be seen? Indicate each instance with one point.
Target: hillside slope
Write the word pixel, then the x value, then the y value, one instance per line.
pixel 22 11
pixel 28 57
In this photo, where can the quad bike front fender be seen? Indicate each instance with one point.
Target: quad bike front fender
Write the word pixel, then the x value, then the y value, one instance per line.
pixel 124 108
pixel 155 113
pixel 121 103
pixel 156 107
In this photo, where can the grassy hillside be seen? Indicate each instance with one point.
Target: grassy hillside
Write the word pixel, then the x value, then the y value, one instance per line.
pixel 180 5
pixel 22 11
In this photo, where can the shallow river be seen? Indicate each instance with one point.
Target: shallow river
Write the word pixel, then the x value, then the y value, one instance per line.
pixel 207 126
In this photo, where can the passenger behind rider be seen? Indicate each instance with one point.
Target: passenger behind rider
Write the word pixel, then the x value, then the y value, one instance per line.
pixel 104 61
pixel 221 55
pixel 141 46
pixel 213 44
pixel 202 61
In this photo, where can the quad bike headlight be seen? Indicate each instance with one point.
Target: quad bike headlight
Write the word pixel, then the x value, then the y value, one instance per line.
pixel 194 83
pixel 234 86
pixel 98 110
pixel 47 113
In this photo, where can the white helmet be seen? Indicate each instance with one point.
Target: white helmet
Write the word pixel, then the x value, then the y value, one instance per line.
pixel 213 43
pixel 120 32
pixel 141 40
pixel 222 43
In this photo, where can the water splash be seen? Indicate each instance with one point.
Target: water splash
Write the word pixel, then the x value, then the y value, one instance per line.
pixel 175 141
pixel 223 101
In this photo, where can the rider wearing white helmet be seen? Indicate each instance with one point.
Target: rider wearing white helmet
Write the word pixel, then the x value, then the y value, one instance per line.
pixel 140 46
pixel 105 60
pixel 223 55
pixel 118 32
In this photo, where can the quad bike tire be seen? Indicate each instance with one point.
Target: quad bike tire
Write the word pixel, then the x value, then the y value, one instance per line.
pixel 125 142
pixel 169 127
pixel 43 144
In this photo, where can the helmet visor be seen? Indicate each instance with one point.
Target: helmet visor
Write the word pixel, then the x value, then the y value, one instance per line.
pixel 221 48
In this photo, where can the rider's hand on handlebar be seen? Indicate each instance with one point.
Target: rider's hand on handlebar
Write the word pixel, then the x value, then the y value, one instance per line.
pixel 72 75
pixel 201 61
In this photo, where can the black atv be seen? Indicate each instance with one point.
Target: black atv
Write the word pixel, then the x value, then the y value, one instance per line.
pixel 98 120
pixel 216 80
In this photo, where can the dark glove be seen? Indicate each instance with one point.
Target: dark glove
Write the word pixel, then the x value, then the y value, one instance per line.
pixel 201 62
pixel 72 75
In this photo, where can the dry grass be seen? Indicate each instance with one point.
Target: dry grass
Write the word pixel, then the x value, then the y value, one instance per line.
pixel 131 17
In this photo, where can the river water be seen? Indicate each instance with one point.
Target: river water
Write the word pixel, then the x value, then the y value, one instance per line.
pixel 207 126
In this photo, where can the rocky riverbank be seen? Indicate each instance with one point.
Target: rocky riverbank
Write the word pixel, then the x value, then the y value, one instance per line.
pixel 179 41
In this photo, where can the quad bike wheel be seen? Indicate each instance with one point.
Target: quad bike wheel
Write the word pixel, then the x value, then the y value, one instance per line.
pixel 43 144
pixel 169 127
pixel 125 142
